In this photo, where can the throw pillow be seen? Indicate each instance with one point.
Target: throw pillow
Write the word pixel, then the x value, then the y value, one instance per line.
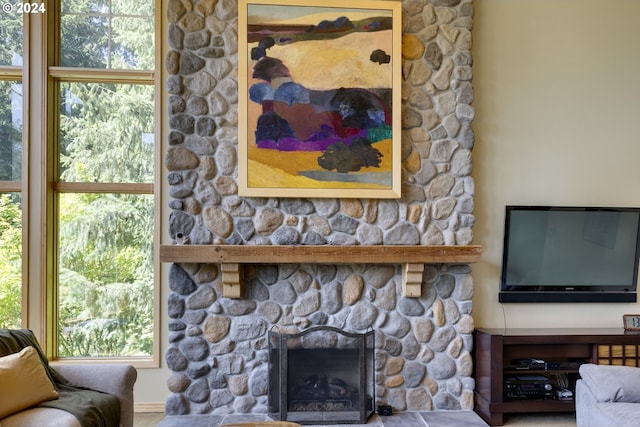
pixel 23 382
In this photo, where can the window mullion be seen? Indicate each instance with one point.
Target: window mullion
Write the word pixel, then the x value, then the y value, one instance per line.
pixel 71 74
pixel 99 187
pixel 10 186
pixel 8 72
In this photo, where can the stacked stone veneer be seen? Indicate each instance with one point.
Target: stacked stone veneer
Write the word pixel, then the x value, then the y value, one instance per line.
pixel 217 352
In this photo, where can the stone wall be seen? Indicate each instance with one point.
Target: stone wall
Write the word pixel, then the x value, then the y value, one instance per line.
pixel 217 351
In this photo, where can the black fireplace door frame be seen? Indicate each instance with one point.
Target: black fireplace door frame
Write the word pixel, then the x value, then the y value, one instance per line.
pixel 279 347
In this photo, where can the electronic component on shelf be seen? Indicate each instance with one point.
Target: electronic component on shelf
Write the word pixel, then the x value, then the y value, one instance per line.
pixel 532 364
pixel 528 364
pixel 560 366
pixel 528 387
pixel 564 394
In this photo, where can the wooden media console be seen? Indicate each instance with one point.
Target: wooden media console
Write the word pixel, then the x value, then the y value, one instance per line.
pixel 498 351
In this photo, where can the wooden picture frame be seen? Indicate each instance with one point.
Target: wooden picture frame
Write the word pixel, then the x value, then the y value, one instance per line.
pixel 319 98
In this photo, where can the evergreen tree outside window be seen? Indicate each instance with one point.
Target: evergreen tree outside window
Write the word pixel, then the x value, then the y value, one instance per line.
pixel 79 129
pixel 104 191
pixel 11 157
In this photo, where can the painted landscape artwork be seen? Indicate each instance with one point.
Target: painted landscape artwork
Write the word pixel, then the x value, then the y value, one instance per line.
pixel 319 98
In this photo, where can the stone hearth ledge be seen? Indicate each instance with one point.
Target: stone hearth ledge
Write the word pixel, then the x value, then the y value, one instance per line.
pixel 232 258
pixel 460 418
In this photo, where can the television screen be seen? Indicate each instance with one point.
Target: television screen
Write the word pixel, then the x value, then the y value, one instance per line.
pixel 570 254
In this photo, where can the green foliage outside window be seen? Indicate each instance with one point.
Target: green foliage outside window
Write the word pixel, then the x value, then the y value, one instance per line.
pixel 106 132
pixel 105 300
pixel 11 36
pixel 106 240
pixel 10 170
pixel 105 255
pixel 118 34
pixel 10 260
pixel 106 135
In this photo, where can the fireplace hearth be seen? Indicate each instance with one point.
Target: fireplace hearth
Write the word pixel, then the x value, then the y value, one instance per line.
pixel 323 375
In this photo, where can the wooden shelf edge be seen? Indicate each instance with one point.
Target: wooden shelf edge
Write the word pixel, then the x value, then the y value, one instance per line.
pixel 232 257
pixel 320 254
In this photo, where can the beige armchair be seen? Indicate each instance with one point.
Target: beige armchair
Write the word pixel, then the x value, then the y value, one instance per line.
pixel 72 381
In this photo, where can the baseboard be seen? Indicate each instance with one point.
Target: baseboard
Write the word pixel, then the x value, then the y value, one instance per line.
pixel 148 407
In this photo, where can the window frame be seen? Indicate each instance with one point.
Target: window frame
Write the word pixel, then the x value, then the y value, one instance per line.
pixel 10 73
pixel 40 184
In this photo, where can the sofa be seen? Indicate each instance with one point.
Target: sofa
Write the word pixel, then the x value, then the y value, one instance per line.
pixel 608 396
pixel 36 393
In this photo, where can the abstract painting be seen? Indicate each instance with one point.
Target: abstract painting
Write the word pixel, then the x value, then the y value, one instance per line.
pixel 319 98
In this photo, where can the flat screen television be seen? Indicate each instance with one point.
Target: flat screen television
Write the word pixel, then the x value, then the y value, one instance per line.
pixel 570 254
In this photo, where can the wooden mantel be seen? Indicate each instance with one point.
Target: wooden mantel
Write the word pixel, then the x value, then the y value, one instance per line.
pixel 232 257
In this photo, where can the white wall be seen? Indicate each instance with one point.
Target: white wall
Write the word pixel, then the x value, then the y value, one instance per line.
pixel 557 86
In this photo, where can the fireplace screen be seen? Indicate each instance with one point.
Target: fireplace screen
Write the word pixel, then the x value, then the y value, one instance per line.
pixel 323 375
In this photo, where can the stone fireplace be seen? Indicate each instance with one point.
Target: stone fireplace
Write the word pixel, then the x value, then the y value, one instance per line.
pixel 218 347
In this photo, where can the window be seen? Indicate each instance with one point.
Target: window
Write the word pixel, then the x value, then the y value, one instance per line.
pixel 11 151
pixel 95 70
pixel 104 204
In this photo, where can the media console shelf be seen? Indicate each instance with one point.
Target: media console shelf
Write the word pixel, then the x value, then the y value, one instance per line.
pixel 496 349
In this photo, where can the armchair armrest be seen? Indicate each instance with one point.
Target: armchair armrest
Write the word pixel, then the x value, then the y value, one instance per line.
pixel 115 379
pixel 610 383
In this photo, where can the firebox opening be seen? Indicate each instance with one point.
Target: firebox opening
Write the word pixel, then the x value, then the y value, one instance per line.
pixel 325 380
pixel 321 385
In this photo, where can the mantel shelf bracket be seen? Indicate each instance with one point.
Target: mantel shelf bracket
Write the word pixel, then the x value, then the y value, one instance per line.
pixel 231 280
pixel 231 258
pixel 412 280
